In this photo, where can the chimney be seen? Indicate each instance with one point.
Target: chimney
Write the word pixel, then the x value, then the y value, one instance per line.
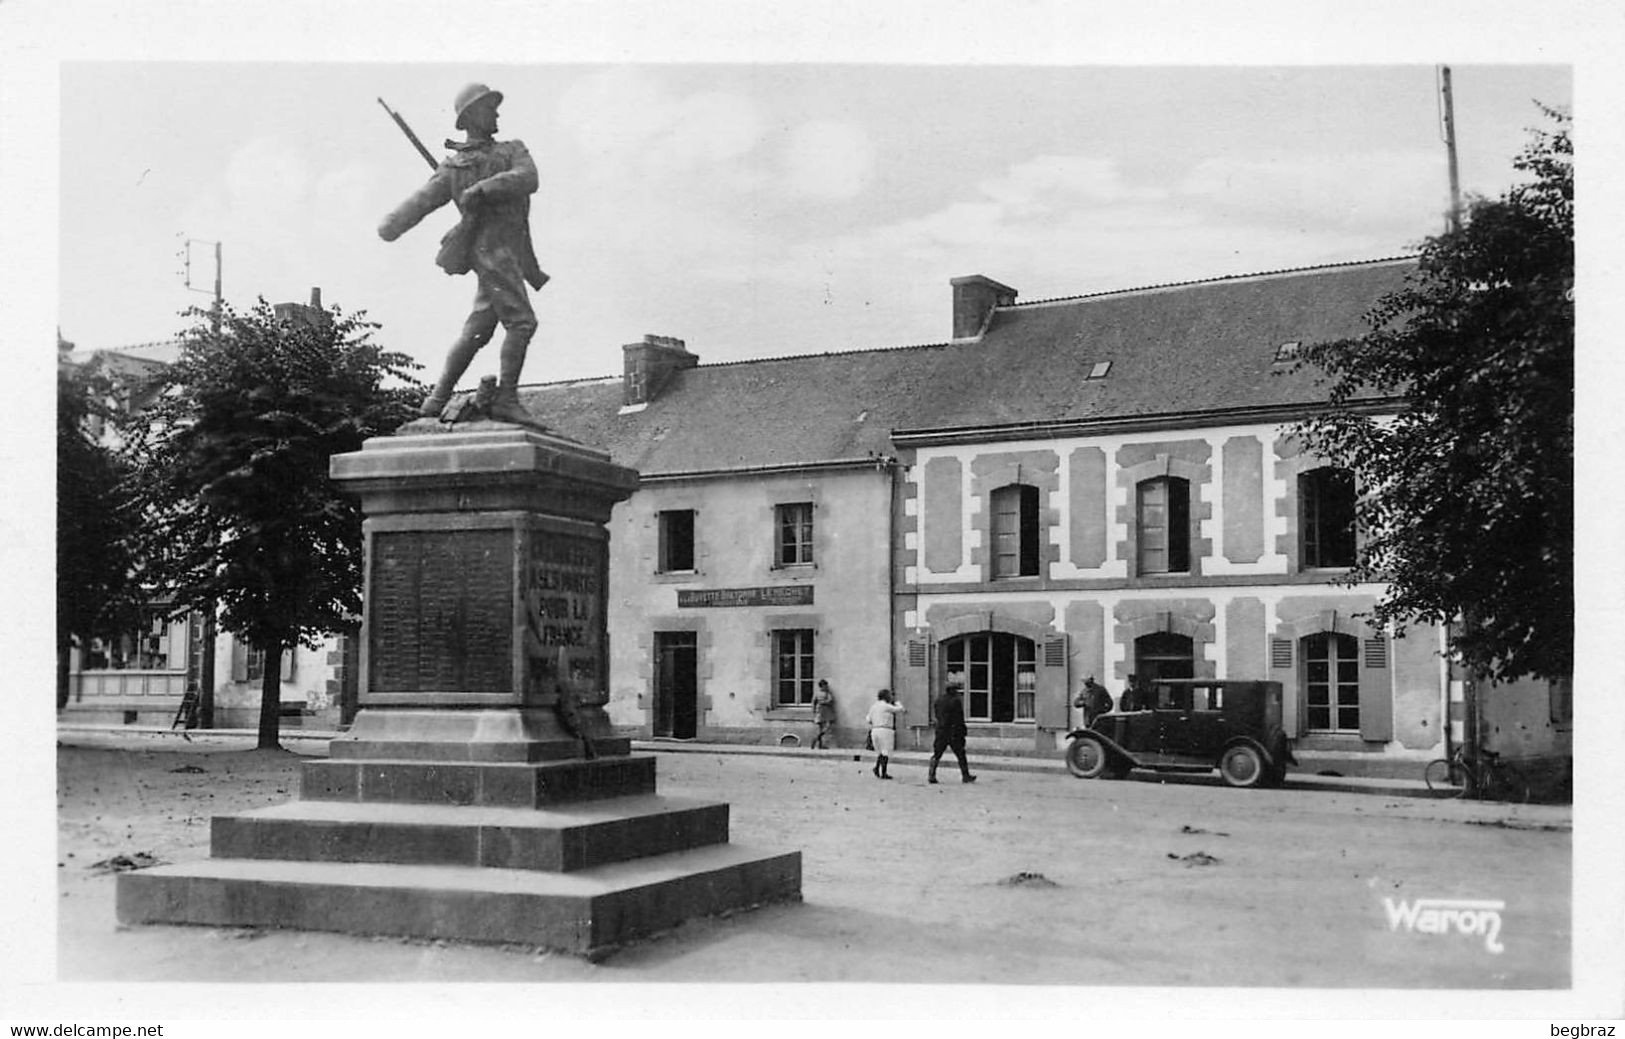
pixel 309 314
pixel 648 367
pixel 975 297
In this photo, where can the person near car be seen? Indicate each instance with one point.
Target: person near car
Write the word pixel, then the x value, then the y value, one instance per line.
pixel 950 733
pixel 882 721
pixel 823 703
pixel 1094 699
pixel 1132 699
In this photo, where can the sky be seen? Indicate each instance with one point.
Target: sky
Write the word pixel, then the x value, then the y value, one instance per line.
pixel 753 209
pixel 763 178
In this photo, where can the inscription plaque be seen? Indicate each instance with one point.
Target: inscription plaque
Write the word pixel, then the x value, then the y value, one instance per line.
pixel 564 605
pixel 441 612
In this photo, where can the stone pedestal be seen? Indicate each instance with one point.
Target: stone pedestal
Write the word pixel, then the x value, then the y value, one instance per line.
pixel 480 793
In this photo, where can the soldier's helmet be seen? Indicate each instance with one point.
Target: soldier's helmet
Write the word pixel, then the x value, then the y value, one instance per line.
pixel 471 94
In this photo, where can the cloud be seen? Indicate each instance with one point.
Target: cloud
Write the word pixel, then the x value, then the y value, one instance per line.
pixel 1378 189
pixel 1048 181
pixel 828 159
pixel 629 124
pixel 267 176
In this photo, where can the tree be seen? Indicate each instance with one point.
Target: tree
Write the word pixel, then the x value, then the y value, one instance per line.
pixel 239 514
pixel 96 591
pixel 1468 494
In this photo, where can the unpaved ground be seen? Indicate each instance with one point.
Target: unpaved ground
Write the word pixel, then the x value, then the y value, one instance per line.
pixel 1020 878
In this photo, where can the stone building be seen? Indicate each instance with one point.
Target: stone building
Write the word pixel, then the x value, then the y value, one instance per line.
pixel 1107 486
pixel 1090 486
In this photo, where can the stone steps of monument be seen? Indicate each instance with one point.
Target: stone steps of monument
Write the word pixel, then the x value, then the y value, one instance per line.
pixel 561 839
pixel 588 912
pixel 484 783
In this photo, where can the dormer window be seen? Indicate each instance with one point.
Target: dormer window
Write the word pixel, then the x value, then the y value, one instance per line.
pixel 1287 352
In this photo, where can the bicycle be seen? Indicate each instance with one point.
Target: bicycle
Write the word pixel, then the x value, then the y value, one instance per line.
pixel 1491 779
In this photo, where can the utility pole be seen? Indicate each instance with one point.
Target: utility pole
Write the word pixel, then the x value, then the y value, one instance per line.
pixel 1448 117
pixel 206 664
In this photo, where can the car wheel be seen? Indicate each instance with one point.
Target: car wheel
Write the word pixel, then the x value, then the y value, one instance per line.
pixel 1242 766
pixel 1086 757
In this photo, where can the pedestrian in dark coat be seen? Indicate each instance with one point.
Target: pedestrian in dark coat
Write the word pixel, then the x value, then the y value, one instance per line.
pixel 950 733
pixel 1094 699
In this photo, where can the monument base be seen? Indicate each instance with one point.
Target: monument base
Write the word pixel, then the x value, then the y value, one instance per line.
pixel 576 854
pixel 480 794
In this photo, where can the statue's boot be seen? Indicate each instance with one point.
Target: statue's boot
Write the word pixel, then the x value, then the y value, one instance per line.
pixel 505 406
pixel 458 359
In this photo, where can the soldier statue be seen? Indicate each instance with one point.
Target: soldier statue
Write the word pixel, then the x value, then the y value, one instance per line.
pixel 490 182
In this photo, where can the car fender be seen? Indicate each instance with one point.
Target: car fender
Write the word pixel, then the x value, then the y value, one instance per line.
pixel 1283 748
pixel 1111 745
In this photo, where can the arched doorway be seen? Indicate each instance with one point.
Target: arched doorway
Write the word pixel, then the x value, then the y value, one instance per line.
pixel 1164 654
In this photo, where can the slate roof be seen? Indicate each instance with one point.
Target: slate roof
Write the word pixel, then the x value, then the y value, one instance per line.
pixel 1200 347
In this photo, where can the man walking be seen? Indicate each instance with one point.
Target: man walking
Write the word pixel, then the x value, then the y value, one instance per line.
pixel 950 733
pixel 490 182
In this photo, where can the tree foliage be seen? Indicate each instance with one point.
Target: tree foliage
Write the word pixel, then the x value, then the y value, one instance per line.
pixel 1468 494
pixel 239 513
pixel 96 592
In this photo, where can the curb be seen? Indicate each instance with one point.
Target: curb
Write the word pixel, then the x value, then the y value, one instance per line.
pixel 1300 781
pixel 982 763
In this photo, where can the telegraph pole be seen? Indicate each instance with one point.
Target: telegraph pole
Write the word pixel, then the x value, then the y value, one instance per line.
pixel 1448 119
pixel 206 664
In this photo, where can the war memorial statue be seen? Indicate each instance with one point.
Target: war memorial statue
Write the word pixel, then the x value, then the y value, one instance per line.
pixel 481 793
pixel 490 182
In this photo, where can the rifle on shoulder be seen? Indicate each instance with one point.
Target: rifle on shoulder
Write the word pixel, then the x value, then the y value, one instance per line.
pixel 457 245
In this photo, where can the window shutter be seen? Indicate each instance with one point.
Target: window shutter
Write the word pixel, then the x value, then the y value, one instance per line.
pixel 916 653
pixel 1376 652
pixel 287 665
pixel 913 689
pixel 1051 702
pixel 1280 653
pixel 1376 693
pixel 1055 651
pixel 239 660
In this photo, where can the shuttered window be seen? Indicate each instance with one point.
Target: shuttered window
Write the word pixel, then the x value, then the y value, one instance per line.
pixel 1331 682
pixel 1163 516
pixel 1326 497
pixel 998 674
pixel 1015 531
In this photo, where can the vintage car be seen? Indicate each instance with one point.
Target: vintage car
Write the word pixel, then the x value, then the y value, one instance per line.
pixel 1190 725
